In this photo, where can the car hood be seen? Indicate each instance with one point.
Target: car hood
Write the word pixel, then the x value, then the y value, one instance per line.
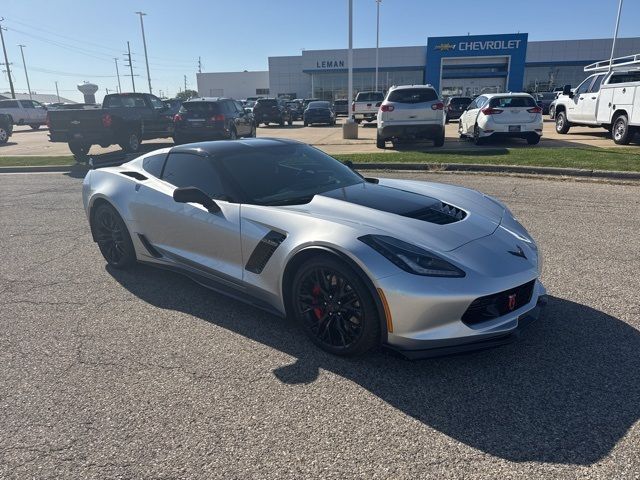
pixel 435 216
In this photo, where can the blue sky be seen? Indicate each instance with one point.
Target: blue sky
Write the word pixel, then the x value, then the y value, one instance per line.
pixel 72 40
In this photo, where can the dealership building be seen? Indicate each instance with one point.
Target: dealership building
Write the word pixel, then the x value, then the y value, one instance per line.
pixel 463 65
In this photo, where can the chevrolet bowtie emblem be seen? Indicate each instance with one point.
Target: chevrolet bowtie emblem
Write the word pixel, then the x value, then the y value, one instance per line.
pixel 445 47
pixel 518 253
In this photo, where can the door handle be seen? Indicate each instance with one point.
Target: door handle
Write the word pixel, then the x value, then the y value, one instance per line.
pixel 593 98
pixel 624 90
pixel 581 98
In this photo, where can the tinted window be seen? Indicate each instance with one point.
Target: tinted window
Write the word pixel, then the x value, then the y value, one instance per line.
pixel 9 104
pixel 124 101
pixel 413 95
pixel 212 108
pixel 319 105
pixel 473 104
pixel 286 173
pixel 460 101
pixel 370 97
pixel 595 86
pixel 188 170
pixel 340 102
pixel 267 103
pixel 239 107
pixel 27 104
pixel 584 86
pixel 481 101
pixel 155 102
pixel 625 77
pixel 153 164
pixel 512 102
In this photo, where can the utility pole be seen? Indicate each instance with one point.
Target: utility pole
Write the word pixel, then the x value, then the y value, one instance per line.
pixel 107 91
pixel 6 61
pixel 130 65
pixel 615 35
pixel 57 92
pixel 377 38
pixel 144 43
pixel 25 70
pixel 199 65
pixel 118 75
pixel 185 83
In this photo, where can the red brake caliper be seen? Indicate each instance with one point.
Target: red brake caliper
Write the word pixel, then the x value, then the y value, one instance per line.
pixel 316 295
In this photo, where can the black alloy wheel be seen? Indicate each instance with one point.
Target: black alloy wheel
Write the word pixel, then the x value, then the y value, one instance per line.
pixel 335 307
pixel 112 237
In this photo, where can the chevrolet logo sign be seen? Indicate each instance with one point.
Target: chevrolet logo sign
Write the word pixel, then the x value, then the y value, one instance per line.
pixel 445 47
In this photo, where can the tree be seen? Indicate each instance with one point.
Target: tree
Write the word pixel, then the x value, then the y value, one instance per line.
pixel 187 94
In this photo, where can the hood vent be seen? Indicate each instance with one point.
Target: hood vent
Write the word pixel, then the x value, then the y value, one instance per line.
pixel 440 214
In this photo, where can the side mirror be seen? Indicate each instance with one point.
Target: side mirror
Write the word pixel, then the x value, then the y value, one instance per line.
pixel 195 195
pixel 566 90
pixel 348 163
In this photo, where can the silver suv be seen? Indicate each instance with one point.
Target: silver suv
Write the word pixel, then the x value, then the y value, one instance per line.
pixel 411 112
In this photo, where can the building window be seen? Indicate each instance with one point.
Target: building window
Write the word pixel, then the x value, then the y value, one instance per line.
pixel 262 91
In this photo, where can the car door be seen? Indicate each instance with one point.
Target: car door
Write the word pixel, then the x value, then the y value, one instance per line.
pixel 590 102
pixel 239 117
pixel 188 233
pixel 27 111
pixel 469 117
pixel 158 123
pixel 39 113
pixel 576 104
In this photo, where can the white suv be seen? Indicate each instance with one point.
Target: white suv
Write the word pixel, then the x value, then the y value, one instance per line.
pixel 502 115
pixel 25 112
pixel 411 111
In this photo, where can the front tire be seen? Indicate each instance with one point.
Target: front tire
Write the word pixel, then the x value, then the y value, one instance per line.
pixel 113 237
pixel 477 139
pixel 79 150
pixel 562 124
pixel 621 132
pixel 232 134
pixel 334 307
pixel 439 140
pixel 380 142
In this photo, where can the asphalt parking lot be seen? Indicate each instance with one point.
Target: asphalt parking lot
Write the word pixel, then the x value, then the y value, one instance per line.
pixel 29 142
pixel 144 374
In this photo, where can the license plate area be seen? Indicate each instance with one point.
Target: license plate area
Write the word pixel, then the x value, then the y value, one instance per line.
pixel 514 128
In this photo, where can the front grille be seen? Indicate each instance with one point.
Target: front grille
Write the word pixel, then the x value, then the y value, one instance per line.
pixel 441 214
pixel 496 305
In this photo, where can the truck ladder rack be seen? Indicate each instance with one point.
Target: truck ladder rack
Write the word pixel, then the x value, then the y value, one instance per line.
pixel 627 62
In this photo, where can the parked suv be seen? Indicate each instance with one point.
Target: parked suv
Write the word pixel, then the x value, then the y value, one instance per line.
pixel 271 110
pixel 502 115
pixel 212 118
pixel 25 112
pixel 455 106
pixel 411 112
pixel 365 106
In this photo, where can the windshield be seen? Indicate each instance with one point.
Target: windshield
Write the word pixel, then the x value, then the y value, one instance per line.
pixel 286 174
pixel 319 105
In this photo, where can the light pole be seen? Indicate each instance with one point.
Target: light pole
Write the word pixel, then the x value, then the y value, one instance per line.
pixel 350 127
pixel 377 37
pixel 6 61
pixel 615 35
pixel 118 75
pixel 25 70
pixel 57 92
pixel 144 43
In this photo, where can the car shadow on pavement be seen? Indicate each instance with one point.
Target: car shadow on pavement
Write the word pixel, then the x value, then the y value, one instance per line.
pixel 566 392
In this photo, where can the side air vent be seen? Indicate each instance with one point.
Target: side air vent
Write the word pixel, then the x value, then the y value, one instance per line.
pixel 148 246
pixel 263 251
pixel 136 175
pixel 441 214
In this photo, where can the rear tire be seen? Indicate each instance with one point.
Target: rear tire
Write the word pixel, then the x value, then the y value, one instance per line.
pixel 334 307
pixel 290 122
pixel 35 127
pixel 253 132
pixel 4 136
pixel 233 135
pixel 562 124
pixel 306 124
pixel 533 139
pixel 79 150
pixel 131 144
pixel 113 237
pixel 477 139
pixel 380 142
pixel 621 132
pixel 439 140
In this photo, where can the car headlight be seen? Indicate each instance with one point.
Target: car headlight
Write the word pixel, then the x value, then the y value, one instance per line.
pixel 411 258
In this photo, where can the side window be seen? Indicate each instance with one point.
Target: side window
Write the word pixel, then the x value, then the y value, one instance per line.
pixel 9 104
pixel 480 101
pixel 189 170
pixel 595 86
pixel 26 104
pixel 238 106
pixel 473 104
pixel 584 86
pixel 153 164
pixel 155 102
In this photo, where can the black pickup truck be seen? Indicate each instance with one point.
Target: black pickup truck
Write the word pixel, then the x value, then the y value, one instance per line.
pixel 6 127
pixel 124 119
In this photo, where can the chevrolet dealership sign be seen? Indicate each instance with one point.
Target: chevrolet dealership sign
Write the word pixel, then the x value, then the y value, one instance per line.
pixel 490 45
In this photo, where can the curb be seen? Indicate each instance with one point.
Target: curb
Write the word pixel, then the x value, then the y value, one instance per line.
pixel 472 167
pixel 434 167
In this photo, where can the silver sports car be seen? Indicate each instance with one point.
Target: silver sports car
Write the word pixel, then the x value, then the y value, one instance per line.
pixel 424 268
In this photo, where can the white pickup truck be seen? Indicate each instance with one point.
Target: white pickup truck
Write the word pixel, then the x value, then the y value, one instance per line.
pixel 365 106
pixel 608 98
